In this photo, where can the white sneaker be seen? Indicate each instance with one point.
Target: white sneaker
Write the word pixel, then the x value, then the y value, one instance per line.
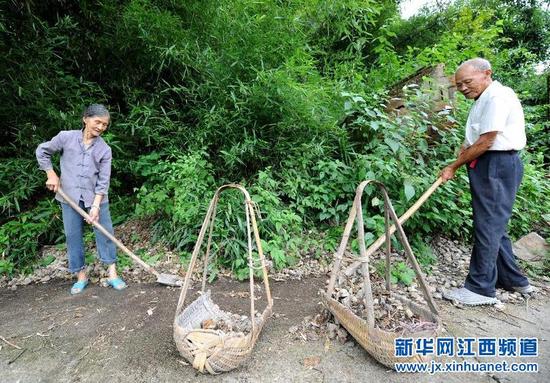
pixel 468 298
pixel 525 289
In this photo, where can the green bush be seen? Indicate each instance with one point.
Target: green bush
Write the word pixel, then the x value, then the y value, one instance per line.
pixel 178 191
pixel 287 98
pixel 21 238
pixel 19 180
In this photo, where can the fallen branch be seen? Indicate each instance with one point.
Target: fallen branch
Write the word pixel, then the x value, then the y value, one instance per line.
pixel 520 318
pixel 45 333
pixel 11 344
pixel 17 357
pixel 503 320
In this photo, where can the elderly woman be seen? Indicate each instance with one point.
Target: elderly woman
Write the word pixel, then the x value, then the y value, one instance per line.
pixel 85 174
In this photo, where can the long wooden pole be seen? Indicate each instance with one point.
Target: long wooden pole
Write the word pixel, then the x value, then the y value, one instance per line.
pixel 106 233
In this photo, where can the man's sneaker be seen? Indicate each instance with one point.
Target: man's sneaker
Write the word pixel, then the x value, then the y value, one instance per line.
pixel 524 289
pixel 468 298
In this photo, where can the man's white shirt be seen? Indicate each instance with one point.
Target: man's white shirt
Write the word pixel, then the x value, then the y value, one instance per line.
pixel 497 109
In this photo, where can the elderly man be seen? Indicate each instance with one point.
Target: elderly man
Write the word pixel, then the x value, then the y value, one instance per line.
pixel 495 132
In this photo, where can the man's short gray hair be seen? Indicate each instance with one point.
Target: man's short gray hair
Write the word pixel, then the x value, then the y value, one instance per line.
pixel 477 63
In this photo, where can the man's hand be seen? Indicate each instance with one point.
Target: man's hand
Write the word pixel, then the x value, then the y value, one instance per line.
pixel 466 155
pixel 448 173
pixel 94 214
pixel 52 183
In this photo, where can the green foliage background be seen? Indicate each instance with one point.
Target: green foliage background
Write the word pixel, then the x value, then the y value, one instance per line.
pixel 286 97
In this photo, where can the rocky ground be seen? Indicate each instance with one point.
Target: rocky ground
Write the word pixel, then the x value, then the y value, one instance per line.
pixel 137 237
pixel 301 330
pixel 391 314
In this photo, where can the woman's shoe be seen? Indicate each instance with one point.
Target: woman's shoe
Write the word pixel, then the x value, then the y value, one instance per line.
pixel 78 287
pixel 117 283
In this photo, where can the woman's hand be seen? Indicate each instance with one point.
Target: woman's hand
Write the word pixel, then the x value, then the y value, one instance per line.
pixel 52 183
pixel 94 214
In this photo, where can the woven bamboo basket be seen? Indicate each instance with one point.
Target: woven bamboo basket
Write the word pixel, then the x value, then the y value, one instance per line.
pixel 210 350
pixel 377 342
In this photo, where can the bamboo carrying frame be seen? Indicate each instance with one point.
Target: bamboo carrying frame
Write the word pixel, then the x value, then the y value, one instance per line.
pixel 214 350
pixel 379 343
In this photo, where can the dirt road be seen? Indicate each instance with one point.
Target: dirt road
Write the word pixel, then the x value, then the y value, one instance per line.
pixel 109 336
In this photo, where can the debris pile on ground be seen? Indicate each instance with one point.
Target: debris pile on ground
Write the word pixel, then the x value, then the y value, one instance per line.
pixel 390 312
pixel 448 272
pixel 452 265
pixel 136 235
pixel 56 268
pixel 319 326
pixel 307 266
pixel 451 270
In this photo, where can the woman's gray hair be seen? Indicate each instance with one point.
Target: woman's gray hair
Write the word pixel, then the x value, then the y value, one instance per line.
pixel 477 63
pixel 95 110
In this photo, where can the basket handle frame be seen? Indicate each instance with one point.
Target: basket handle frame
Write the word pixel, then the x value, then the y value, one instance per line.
pixel 252 227
pixel 389 213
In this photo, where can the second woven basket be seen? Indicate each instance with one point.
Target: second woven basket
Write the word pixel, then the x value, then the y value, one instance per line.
pixel 376 341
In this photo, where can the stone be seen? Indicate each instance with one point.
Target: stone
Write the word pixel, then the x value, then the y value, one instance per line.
pixel 311 336
pixel 312 361
pixel 347 301
pixel 531 248
pixel 520 298
pixel 342 335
